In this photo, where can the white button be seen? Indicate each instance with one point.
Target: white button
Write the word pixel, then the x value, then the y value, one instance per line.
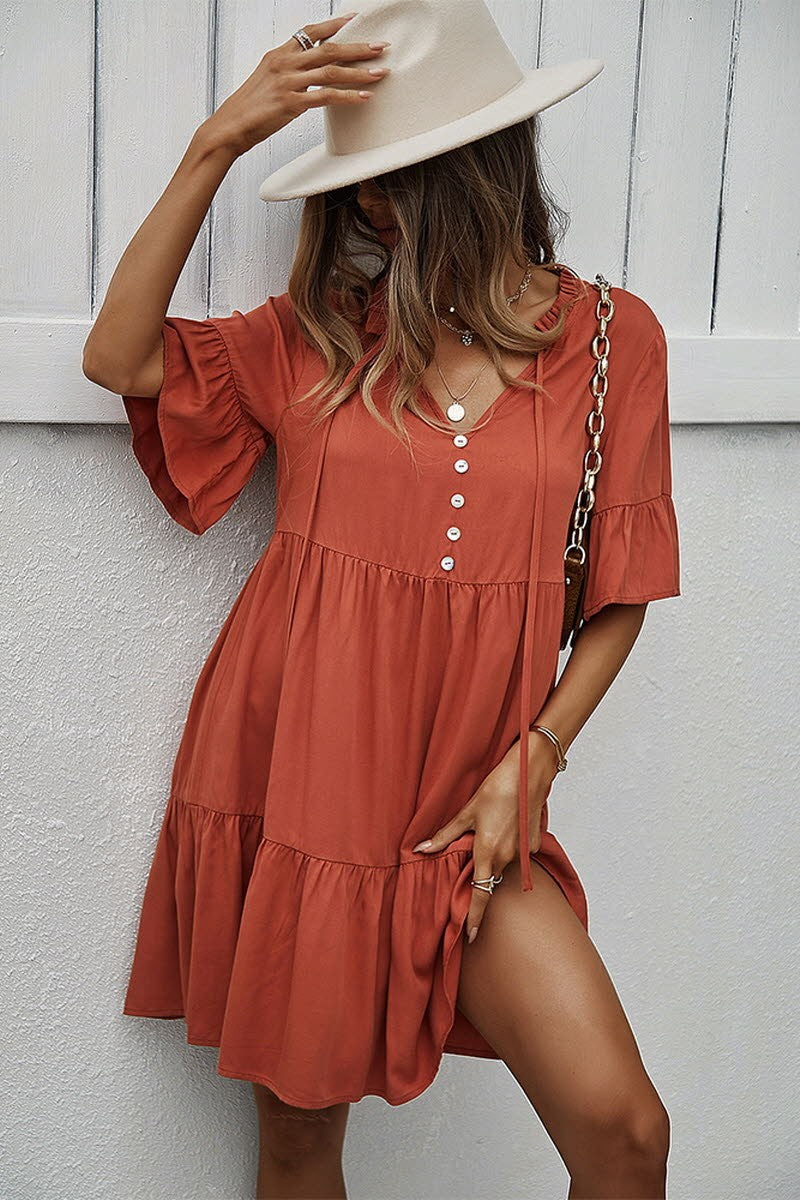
pixel 460 439
pixel 461 465
pixel 448 563
pixel 454 533
pixel 456 500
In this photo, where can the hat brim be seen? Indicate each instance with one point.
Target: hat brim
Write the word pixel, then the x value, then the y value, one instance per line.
pixel 316 170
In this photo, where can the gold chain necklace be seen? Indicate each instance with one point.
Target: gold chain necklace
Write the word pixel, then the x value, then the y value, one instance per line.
pixel 456 410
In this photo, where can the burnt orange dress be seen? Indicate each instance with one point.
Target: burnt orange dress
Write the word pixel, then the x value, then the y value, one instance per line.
pixel 398 633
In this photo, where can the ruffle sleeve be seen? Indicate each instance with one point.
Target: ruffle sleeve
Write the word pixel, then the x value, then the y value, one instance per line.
pixel 634 553
pixel 226 381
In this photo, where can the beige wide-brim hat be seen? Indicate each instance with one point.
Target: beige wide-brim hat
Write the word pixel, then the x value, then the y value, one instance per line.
pixel 453 79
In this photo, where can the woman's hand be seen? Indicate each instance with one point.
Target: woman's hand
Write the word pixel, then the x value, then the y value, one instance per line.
pixel 275 93
pixel 492 811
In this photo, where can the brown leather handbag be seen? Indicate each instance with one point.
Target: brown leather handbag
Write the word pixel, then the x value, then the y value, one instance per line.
pixel 576 554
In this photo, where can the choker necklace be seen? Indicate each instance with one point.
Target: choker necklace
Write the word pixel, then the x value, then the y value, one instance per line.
pixel 468 335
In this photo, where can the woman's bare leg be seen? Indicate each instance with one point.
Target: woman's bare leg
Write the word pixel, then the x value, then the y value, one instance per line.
pixel 535 987
pixel 300 1149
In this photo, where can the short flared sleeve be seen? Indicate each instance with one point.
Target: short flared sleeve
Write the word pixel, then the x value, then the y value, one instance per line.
pixel 634 553
pixel 226 383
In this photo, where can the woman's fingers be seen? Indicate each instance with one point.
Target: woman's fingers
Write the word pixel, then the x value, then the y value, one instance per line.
pixel 324 69
pixel 447 834
pixel 484 868
pixel 317 30
pixel 334 85
pixel 333 95
pixel 335 75
pixel 330 52
pixel 337 52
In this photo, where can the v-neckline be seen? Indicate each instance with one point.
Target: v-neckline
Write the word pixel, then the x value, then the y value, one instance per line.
pixel 487 413
pixel 545 321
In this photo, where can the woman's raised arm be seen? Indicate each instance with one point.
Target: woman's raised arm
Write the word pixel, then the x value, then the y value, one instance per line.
pixel 124 349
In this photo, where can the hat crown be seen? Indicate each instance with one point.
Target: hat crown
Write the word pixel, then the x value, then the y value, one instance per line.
pixel 447 58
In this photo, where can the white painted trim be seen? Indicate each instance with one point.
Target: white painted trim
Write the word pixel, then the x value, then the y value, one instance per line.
pixel 712 379
pixel 719 379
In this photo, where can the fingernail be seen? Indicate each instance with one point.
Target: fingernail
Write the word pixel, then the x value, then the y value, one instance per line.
pixel 473 933
pixel 424 845
pixel 379 45
pixel 344 16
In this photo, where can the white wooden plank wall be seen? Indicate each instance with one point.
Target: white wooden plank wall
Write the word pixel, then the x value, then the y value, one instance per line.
pixel 679 166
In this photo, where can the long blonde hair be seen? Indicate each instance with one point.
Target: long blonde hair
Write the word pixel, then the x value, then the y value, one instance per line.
pixel 457 216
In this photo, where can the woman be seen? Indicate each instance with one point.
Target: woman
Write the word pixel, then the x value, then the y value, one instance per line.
pixel 339 894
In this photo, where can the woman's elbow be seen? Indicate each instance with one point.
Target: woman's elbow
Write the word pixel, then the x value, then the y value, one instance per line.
pixel 102 365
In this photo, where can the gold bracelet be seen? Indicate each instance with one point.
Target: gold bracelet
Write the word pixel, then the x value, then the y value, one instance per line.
pixel 562 762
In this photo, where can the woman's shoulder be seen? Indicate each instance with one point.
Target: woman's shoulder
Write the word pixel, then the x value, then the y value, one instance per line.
pixel 634 317
pixel 268 330
pixel 634 327
pixel 276 310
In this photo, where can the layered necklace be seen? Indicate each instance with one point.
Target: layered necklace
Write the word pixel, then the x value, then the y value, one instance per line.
pixel 455 410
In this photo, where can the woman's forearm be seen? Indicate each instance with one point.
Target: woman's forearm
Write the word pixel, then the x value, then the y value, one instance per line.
pixel 595 661
pixel 123 350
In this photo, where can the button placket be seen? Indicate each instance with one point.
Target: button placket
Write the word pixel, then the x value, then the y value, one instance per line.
pixel 457 500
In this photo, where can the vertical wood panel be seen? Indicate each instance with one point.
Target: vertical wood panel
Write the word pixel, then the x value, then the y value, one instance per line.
pixel 587 137
pixel 153 71
pixel 254 241
pixel 46 51
pixel 758 270
pixel 677 158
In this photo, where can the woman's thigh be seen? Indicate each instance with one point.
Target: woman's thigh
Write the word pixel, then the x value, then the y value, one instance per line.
pixel 535 987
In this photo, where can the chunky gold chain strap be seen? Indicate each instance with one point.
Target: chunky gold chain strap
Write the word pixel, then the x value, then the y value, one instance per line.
pixel 595 422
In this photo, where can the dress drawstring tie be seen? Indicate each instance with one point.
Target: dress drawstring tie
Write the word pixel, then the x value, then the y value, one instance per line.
pixel 356 367
pixel 311 509
pixel 525 715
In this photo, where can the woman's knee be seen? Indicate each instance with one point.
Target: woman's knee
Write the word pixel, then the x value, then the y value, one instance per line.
pixel 292 1136
pixel 646 1131
pixel 633 1128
